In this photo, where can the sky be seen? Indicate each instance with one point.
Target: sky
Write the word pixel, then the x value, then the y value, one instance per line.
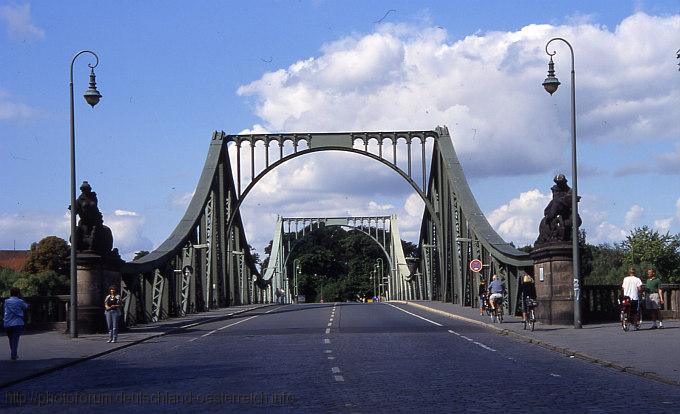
pixel 171 72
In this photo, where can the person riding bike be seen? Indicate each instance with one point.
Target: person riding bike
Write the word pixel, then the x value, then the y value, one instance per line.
pixel 496 290
pixel 528 294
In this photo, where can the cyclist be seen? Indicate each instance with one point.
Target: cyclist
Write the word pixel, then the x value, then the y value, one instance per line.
pixel 528 293
pixel 496 290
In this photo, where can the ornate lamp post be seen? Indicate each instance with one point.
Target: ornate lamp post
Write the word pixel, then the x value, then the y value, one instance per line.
pixel 550 84
pixel 92 97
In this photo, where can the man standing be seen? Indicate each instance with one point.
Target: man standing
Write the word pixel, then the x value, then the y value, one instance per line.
pixel 654 298
pixel 631 287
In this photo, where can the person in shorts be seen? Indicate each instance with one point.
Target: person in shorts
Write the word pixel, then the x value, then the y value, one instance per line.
pixel 654 298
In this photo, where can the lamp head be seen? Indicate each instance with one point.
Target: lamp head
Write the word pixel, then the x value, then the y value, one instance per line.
pixel 551 83
pixel 92 95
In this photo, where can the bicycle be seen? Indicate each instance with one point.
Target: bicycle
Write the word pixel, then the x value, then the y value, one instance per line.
pixel 497 312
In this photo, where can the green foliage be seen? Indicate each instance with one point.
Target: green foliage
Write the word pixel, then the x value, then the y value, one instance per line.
pixel 341 261
pixel 648 248
pixel 603 264
pixel 51 253
pixel 46 283
pixel 7 279
pixel 643 248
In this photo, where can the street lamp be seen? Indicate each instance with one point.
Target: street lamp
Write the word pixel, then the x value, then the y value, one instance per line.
pixel 379 266
pixel 92 97
pixel 678 53
pixel 297 268
pixel 550 84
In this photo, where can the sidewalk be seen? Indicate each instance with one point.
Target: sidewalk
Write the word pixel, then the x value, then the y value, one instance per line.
pixel 653 354
pixel 42 352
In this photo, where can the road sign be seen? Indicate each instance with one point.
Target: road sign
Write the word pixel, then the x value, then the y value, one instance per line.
pixel 476 265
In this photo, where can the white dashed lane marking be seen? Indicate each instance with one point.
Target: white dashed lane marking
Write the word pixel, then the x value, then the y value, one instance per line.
pixel 335 370
pixel 326 341
pixel 339 378
pixel 328 330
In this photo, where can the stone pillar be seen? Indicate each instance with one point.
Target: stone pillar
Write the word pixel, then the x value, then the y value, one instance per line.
pixel 553 277
pixel 95 275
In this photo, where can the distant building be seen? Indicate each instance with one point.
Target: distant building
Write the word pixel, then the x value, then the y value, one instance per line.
pixel 13 259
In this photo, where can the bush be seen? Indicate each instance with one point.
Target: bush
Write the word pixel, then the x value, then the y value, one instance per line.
pixel 46 283
pixel 7 279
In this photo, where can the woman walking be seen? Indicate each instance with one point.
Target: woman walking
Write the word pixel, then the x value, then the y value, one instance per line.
pixel 14 320
pixel 112 304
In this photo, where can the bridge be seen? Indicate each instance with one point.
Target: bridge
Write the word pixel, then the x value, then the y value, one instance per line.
pixel 249 354
pixel 206 262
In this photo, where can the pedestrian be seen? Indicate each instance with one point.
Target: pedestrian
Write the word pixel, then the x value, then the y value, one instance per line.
pixel 631 286
pixel 654 298
pixel 14 320
pixel 112 304
pixel 482 296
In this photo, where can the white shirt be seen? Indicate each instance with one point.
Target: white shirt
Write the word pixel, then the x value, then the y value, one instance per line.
pixel 631 286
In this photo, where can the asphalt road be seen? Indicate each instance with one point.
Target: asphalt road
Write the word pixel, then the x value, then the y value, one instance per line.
pixel 345 357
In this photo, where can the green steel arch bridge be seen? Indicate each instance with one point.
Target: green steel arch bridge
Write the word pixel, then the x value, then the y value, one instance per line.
pixel 206 262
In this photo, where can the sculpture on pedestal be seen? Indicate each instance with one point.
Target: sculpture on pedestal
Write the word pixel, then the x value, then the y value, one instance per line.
pixel 91 235
pixel 555 226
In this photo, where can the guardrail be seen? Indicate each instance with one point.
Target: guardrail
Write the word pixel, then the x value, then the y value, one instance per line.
pixel 600 302
pixel 45 312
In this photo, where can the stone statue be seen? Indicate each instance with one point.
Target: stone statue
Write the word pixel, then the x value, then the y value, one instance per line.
pixel 91 235
pixel 555 226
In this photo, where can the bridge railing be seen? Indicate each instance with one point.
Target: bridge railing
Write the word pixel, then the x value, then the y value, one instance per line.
pixel 600 302
pixel 44 312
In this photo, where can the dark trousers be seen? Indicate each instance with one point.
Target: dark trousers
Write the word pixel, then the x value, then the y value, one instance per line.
pixel 13 334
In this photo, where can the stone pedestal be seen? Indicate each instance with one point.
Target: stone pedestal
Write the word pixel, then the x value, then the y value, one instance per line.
pixel 553 275
pixel 95 275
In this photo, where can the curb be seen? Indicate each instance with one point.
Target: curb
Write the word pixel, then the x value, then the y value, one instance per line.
pixel 543 344
pixel 135 342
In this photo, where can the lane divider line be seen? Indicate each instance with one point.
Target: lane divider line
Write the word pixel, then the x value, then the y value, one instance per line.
pixel 484 346
pixel 335 370
pixel 328 330
pixel 326 341
pixel 417 316
pixel 339 378
pixel 330 358
pixel 232 324
pixel 327 351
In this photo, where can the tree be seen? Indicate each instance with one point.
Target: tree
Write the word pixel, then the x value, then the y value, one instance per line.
pixel 648 248
pixel 51 253
pixel 45 283
pixel 7 279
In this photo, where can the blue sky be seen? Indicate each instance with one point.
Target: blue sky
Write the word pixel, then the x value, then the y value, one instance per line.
pixel 171 72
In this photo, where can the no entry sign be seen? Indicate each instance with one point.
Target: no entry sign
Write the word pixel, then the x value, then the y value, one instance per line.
pixel 476 265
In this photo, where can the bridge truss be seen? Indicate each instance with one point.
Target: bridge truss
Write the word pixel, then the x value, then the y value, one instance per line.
pixel 206 261
pixel 383 230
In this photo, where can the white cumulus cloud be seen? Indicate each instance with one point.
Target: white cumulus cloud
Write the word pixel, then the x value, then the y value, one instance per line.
pixel 518 220
pixel 633 214
pixel 17 19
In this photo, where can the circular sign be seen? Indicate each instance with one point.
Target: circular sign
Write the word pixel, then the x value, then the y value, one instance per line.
pixel 476 265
